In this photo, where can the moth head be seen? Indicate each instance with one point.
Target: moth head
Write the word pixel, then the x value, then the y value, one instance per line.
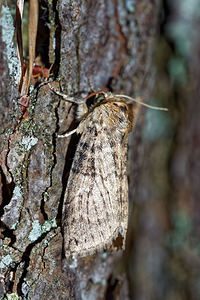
pixel 95 100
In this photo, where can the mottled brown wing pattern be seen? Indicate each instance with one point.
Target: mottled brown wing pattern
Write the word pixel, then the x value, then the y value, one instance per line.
pixel 96 199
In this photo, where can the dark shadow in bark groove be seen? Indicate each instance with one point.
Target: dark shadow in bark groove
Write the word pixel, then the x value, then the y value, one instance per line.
pixel 109 295
pixel 54 137
pixel 43 33
pixel 56 65
pixel 7 191
pixel 7 232
pixel 43 36
pixel 68 162
pixel 26 260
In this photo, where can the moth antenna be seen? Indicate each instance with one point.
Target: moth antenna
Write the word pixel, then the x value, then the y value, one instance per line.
pixel 67 134
pixel 93 94
pixel 142 103
pixel 65 97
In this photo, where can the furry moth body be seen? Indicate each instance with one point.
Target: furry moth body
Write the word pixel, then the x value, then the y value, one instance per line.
pixel 95 210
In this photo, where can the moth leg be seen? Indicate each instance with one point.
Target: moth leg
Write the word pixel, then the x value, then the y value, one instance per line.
pixel 67 134
pixel 65 97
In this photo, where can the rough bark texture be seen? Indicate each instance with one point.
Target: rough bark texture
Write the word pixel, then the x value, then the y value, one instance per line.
pixel 110 44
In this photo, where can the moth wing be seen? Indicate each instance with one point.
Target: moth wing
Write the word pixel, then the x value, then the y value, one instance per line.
pixel 96 199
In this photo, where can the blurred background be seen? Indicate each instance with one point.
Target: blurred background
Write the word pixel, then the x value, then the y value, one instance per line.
pixel 162 257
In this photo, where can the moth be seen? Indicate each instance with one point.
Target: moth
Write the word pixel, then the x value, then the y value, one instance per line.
pixel 95 211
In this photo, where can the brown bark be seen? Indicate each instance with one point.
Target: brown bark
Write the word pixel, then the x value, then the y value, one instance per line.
pixel 165 238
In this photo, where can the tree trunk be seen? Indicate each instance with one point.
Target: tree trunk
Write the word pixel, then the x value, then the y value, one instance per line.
pixel 110 44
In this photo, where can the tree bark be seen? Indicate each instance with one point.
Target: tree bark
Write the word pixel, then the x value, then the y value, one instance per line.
pixel 107 43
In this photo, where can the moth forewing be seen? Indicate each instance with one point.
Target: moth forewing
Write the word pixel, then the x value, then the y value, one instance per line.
pixel 95 211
